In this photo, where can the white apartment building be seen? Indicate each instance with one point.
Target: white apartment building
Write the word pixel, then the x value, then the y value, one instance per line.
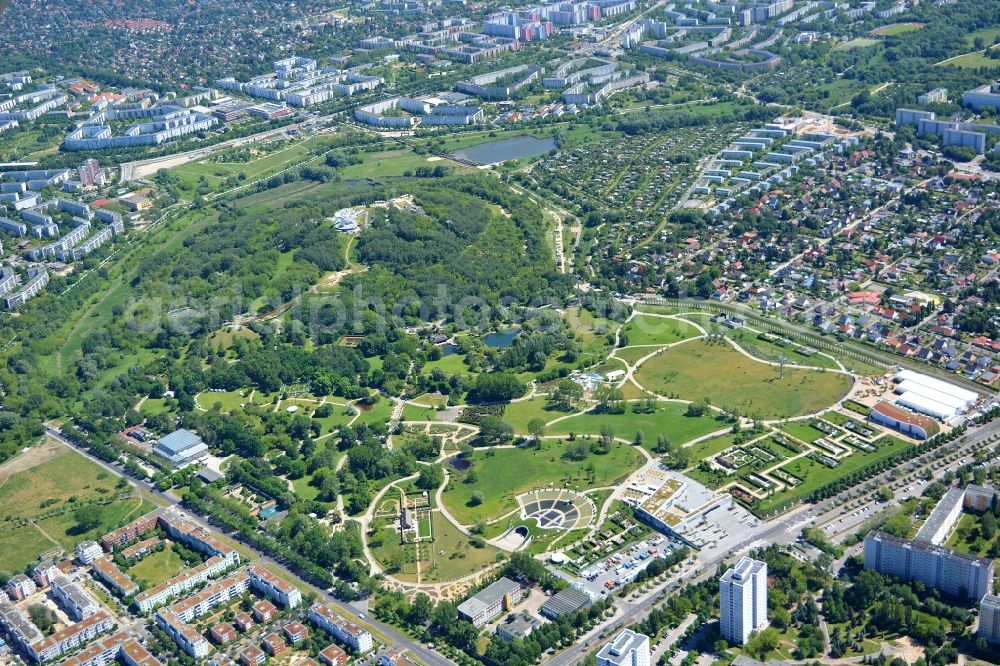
pixel 989 618
pixel 20 587
pixel 266 583
pixel 743 600
pixel 88 551
pixel 77 603
pixel 186 636
pixel 627 649
pixel 149 599
pixel 340 628
pixel 956 574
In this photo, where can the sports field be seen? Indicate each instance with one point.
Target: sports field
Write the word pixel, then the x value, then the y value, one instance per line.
pixel 503 474
pixel 856 43
pixel 696 370
pixel 896 29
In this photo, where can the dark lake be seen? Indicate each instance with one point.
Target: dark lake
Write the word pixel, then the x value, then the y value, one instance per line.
pixel 507 149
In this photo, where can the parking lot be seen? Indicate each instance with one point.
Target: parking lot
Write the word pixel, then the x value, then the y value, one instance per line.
pixel 623 566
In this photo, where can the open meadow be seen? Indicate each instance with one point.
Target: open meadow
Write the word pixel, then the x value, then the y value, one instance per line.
pixel 41 492
pixel 728 379
pixel 500 475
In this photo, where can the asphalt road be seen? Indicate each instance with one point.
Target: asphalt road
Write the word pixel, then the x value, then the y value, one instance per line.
pixel 422 652
pixel 783 530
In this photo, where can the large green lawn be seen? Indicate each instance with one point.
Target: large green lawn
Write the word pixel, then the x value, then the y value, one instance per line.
pixel 632 354
pixel 803 468
pixel 650 330
pixel 57 486
pixel 973 60
pixel 770 351
pixel 968 536
pixel 592 332
pixel 155 568
pixel 710 447
pixel 519 413
pixel 415 413
pixel 987 35
pixel 452 364
pixel 669 421
pixel 377 413
pixel 339 417
pixel 502 474
pixel 803 431
pixel 451 555
pixel 697 370
pixel 277 158
pixel 65 529
pixel 396 163
pixel 227 401
pixel 22 546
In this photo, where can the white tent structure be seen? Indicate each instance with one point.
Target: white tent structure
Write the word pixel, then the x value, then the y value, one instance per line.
pixel 910 386
pixel 934 397
pixel 928 406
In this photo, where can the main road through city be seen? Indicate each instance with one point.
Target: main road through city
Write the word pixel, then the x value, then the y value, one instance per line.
pixel 783 530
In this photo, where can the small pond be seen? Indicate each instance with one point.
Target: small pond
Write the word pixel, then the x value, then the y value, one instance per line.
pixel 502 150
pixel 500 338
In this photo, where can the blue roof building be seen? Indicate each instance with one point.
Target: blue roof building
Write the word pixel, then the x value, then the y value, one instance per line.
pixel 181 448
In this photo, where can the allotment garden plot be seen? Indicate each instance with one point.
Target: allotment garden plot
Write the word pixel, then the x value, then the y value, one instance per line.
pixel 643 175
